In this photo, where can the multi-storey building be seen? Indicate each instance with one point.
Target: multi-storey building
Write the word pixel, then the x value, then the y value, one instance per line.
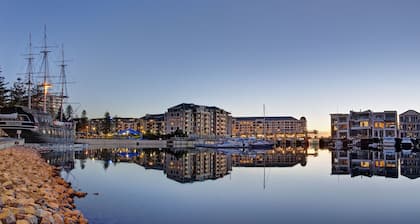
pixel 364 124
pixel 339 126
pixel 270 127
pixel 410 124
pixel 152 123
pixel 125 123
pixel 197 120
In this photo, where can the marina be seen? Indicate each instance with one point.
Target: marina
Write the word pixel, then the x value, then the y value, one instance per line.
pixel 208 112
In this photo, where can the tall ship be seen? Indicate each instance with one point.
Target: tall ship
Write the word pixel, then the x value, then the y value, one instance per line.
pixel 42 119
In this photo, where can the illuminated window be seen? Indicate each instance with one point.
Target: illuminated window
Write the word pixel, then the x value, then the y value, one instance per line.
pixel 365 164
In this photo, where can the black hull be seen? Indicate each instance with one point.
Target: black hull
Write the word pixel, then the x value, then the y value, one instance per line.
pixel 31 136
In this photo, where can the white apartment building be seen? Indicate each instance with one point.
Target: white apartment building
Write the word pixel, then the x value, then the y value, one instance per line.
pixel 364 124
pixel 410 124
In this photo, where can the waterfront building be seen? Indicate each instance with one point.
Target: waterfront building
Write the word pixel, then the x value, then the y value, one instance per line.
pixel 197 120
pixel 125 123
pixel 270 127
pixel 364 124
pixel 410 124
pixel 339 126
pixel 152 123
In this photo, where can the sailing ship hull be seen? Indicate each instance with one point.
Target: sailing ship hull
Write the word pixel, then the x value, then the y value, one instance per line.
pixel 35 126
pixel 32 136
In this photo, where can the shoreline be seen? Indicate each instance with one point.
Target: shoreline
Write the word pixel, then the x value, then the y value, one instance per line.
pixel 32 191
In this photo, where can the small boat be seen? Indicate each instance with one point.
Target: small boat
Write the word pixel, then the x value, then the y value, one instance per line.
pixel 261 144
pixel 227 144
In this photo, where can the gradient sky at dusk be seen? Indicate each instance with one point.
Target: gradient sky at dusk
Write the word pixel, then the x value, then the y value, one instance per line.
pixel 298 57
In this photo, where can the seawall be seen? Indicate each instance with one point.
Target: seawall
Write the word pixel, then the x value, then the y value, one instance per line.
pixel 32 191
pixel 122 143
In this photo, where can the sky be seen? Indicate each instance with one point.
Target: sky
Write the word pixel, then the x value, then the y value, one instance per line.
pixel 298 57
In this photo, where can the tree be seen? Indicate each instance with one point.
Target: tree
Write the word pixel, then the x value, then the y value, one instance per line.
pixel 82 125
pixel 3 91
pixel 17 93
pixel 69 113
pixel 107 123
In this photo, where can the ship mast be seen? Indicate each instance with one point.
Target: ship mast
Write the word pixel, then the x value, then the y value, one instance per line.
pixel 29 71
pixel 62 82
pixel 45 69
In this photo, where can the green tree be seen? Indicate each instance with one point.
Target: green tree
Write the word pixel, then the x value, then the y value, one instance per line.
pixel 3 91
pixel 69 113
pixel 17 93
pixel 82 125
pixel 107 123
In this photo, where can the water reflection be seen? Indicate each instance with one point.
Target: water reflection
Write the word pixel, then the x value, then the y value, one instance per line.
pixel 190 165
pixel 281 157
pixel 376 163
pixel 410 164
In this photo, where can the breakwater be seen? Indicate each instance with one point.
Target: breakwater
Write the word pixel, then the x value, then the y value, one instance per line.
pixel 32 191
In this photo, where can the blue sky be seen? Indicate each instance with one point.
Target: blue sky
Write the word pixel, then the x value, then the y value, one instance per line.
pixel 299 58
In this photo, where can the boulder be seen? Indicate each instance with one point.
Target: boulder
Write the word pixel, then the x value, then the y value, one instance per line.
pixel 32 219
pixel 7 217
pixel 22 221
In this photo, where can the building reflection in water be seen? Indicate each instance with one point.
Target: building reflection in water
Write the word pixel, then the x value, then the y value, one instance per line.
pixel 280 157
pixel 190 165
pixel 367 163
pixel 410 164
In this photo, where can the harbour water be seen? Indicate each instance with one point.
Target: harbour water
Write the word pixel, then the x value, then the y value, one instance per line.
pixel 289 186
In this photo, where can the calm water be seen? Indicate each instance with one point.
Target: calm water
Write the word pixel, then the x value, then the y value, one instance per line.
pixel 287 186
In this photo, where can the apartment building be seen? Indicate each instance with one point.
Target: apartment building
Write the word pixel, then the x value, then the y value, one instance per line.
pixel 364 124
pixel 270 127
pixel 410 124
pixel 197 120
pixel 152 123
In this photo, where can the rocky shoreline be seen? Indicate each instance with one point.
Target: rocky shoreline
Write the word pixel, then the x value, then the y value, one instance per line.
pixel 32 191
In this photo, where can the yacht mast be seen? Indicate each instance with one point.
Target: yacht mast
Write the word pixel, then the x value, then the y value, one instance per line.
pixel 29 71
pixel 264 122
pixel 45 69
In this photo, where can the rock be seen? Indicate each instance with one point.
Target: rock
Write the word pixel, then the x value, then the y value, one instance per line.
pixel 8 185
pixel 22 221
pixel 52 205
pixel 80 194
pixel 32 192
pixel 58 219
pixel 83 220
pixel 7 217
pixel 30 210
pixel 32 219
